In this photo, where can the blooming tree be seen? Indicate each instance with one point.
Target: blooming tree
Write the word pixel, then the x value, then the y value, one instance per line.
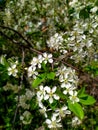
pixel 47 44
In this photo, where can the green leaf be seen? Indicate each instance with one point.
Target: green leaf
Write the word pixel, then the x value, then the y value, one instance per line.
pixel 51 75
pixel 82 95
pixel 76 109
pixel 44 67
pixel 39 80
pixel 81 91
pixel 88 101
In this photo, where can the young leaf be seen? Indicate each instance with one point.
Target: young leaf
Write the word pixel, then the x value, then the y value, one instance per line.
pixel 81 91
pixel 44 67
pixel 83 96
pixel 51 75
pixel 89 100
pixel 38 80
pixel 76 109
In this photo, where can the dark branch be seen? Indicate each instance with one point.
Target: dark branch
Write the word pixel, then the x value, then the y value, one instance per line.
pixel 18 43
pixel 19 34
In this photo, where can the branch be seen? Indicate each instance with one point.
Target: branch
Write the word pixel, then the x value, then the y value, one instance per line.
pixel 30 46
pixel 19 34
pixel 3 34
pixel 37 51
pixel 15 42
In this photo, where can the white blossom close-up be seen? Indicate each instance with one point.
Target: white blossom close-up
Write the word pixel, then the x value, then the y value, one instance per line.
pixel 26 118
pixel 62 112
pixel 13 70
pixel 73 96
pixel 41 92
pixel 50 94
pixel 76 121
pixel 53 122
pixel 47 58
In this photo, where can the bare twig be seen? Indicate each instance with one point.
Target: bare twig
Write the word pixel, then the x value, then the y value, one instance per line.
pixel 3 34
pixel 25 46
pixel 19 34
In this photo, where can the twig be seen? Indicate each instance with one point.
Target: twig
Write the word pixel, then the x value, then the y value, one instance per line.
pixel 3 34
pixel 25 46
pixel 9 28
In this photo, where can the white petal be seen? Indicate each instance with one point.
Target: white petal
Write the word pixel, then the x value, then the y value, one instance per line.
pixel 63 85
pixel 45 54
pixel 64 108
pixel 51 100
pixel 75 93
pixel 50 60
pixel 14 66
pixel 65 92
pixel 53 118
pixel 46 97
pixel 68 112
pixel 50 56
pixel 77 99
pixel 71 93
pixel 54 89
pixel 58 120
pixel 39 66
pixel 41 105
pixel 50 126
pixel 48 121
pixel 41 87
pixel 47 89
pixel 56 97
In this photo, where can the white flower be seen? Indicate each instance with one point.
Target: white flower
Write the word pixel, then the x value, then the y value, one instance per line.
pixel 51 94
pixel 61 71
pixel 41 92
pixel 66 79
pixel 53 123
pixel 22 102
pixel 13 70
pixel 76 121
pixel 47 58
pixel 29 94
pixel 68 88
pixel 55 41
pixel 43 109
pixel 32 72
pixel 73 96
pixel 26 118
pixel 37 61
pixel 62 111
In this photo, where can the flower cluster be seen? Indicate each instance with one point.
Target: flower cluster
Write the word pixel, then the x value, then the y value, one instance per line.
pixel 67 80
pixel 56 43
pixel 36 63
